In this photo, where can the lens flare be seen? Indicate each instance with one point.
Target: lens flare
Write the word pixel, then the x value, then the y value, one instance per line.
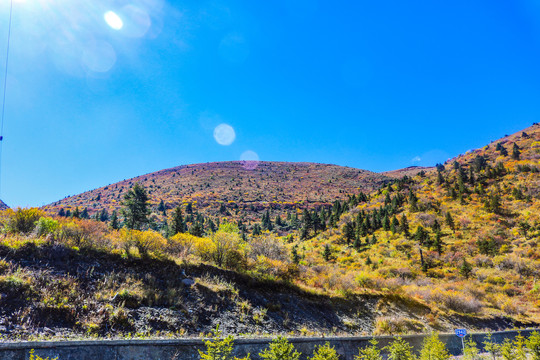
pixel 113 20
pixel 249 160
pixel 224 134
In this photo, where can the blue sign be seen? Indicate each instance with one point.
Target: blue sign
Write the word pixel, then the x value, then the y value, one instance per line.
pixel 461 332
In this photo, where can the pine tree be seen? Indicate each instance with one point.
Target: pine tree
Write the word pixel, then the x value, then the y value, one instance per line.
pixel 84 214
pixel 104 215
pixel 114 221
pixel 394 226
pixel 465 269
pixel 327 253
pixel 62 212
pixel 177 225
pixel 516 152
pixel 161 208
pixel 256 230
pixel 413 201
pixel 295 256
pixel 135 209
pixel 348 232
pixel 450 221
pixel 197 229
pixel 76 213
pixel 405 225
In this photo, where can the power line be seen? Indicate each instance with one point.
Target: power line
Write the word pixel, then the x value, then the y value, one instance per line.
pixel 4 95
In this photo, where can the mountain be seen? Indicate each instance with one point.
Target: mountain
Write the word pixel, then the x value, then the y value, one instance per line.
pixel 3 205
pixel 423 249
pixel 243 188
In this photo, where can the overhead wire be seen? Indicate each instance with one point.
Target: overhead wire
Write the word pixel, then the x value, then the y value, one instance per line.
pixel 5 88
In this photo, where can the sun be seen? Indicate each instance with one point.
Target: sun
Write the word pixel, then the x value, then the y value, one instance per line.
pixel 113 20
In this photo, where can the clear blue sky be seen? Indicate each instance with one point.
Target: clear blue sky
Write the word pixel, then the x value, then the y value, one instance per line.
pixel 99 91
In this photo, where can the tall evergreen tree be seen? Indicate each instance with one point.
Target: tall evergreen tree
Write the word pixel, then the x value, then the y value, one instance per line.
pixel 135 209
pixel 115 224
pixel 177 225
pixel 405 225
pixel 516 152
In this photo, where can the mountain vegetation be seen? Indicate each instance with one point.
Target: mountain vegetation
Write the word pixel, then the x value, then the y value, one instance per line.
pixel 432 249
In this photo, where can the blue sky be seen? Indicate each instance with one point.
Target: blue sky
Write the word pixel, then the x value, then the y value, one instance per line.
pixel 94 99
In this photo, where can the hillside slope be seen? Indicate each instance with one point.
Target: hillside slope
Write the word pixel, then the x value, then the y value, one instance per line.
pixel 462 237
pixel 3 205
pixel 241 187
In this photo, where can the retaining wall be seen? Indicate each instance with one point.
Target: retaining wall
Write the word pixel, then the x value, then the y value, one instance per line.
pixel 187 349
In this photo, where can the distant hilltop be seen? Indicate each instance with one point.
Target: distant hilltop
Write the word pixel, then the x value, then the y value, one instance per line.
pixel 241 189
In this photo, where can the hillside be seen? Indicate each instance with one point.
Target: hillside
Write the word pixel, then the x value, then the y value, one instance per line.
pixel 243 189
pixel 461 238
pixel 3 205
pixel 456 245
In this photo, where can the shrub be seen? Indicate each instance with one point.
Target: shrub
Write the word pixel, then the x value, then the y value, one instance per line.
pixel 280 349
pixel 533 344
pixel 514 350
pixel 491 347
pixel 433 349
pixel 70 234
pixel 144 241
pixel 46 226
pixel 396 325
pixel 324 352
pixel 470 352
pixel 372 352
pixel 219 349
pixel 399 349
pixel 223 249
pixel 182 244
pixel 22 220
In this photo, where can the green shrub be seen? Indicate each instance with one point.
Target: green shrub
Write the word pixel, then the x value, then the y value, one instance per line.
pixel 219 348
pixel 533 344
pixel 492 348
pixel 371 352
pixel 433 349
pixel 324 352
pixel 280 349
pixel 514 350
pixel 46 226
pixel 399 349
pixel 471 352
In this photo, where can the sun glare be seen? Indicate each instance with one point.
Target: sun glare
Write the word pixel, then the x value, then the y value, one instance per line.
pixel 113 20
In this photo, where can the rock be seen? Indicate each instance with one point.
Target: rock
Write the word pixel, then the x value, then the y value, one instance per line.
pixel 188 282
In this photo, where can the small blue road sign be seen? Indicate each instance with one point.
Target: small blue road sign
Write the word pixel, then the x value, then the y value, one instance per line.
pixel 461 332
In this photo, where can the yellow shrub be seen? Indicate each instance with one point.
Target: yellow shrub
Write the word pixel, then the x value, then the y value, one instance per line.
pixel 182 244
pixel 144 241
pixel 20 220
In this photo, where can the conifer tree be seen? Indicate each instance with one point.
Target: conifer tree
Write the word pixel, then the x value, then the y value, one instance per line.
pixel 405 225
pixel 450 221
pixel 327 253
pixel 135 209
pixel 178 225
pixel 516 152
pixel 114 221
